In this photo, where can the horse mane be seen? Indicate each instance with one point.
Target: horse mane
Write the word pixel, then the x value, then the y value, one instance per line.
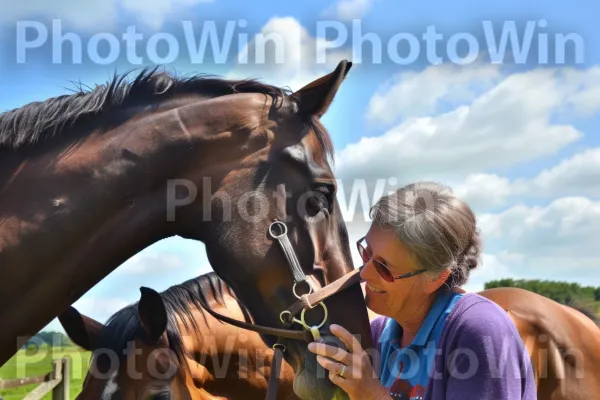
pixel 124 326
pixel 43 120
pixel 585 311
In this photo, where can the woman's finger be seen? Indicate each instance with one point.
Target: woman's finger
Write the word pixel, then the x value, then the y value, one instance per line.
pixel 334 352
pixel 338 379
pixel 333 366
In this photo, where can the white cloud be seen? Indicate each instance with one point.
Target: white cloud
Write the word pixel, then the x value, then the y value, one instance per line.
pixel 150 262
pixel 283 53
pixel 520 118
pixel 509 124
pixel 347 10
pixel 100 308
pixel 96 15
pixel 582 91
pixel 483 191
pixel 553 242
pixel 577 175
pixel 561 235
pixel 96 307
pixel 416 94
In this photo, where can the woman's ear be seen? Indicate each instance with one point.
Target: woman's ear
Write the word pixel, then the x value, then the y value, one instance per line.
pixel 434 282
pixel 443 277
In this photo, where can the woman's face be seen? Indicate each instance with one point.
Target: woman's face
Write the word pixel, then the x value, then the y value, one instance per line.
pixel 396 298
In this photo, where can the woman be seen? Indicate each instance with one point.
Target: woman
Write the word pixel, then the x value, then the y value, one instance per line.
pixel 434 340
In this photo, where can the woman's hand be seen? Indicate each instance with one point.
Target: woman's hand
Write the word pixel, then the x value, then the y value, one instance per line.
pixel 352 372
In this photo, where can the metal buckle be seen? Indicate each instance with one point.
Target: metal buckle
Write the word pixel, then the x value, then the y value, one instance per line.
pixel 308 283
pixel 279 345
pixel 302 321
pixel 284 229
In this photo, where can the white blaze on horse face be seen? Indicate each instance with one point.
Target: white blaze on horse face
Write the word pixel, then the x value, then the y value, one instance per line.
pixel 60 201
pixel 111 387
pixel 60 204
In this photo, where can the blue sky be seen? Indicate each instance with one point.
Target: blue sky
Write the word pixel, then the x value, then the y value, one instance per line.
pixel 518 140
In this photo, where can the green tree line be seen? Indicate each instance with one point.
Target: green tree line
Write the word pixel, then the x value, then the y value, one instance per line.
pixel 48 338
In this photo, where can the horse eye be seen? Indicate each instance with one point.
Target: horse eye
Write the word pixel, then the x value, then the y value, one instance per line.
pixel 328 190
pixel 321 197
pixel 161 396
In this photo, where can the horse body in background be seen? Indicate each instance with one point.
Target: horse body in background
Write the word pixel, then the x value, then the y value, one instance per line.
pixel 562 342
pixel 167 343
pixel 90 179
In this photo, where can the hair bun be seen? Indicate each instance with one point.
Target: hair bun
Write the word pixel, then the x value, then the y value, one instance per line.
pixel 469 259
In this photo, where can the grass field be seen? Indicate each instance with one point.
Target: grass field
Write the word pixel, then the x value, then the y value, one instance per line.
pixel 39 362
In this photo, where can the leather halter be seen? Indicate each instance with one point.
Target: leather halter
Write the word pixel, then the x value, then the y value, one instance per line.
pixel 306 301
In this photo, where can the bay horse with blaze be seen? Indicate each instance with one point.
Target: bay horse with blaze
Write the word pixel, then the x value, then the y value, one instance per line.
pixel 166 346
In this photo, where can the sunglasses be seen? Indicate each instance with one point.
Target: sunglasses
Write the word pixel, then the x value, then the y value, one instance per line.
pixel 380 267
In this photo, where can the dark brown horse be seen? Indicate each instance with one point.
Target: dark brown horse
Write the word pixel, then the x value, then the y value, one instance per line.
pixel 90 179
pixel 200 357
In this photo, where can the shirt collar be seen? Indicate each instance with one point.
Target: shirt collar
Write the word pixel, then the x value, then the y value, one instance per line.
pixel 392 331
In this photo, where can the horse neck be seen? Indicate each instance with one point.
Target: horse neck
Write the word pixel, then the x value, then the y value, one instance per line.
pixel 77 206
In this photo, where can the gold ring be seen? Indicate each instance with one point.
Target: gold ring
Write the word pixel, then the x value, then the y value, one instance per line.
pixel 342 371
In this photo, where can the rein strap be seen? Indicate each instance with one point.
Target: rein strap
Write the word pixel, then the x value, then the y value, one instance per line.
pixel 265 330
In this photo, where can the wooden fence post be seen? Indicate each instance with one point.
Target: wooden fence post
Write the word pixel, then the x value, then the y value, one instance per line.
pixel 62 390
pixel 58 381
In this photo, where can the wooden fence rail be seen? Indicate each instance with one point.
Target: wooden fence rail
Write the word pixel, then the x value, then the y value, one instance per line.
pixel 57 381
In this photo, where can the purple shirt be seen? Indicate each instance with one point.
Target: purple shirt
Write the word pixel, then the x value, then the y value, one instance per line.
pixel 483 355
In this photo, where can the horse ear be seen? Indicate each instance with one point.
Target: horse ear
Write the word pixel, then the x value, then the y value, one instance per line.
pixel 152 313
pixel 82 330
pixel 315 98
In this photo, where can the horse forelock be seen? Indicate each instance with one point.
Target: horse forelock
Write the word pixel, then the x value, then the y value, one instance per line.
pixel 320 143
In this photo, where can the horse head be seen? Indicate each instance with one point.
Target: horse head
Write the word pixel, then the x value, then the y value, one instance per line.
pixel 166 347
pixel 285 186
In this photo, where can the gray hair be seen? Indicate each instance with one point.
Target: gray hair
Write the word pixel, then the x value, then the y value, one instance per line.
pixel 438 228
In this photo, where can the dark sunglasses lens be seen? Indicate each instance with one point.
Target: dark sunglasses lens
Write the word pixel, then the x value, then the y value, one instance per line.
pixel 383 271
